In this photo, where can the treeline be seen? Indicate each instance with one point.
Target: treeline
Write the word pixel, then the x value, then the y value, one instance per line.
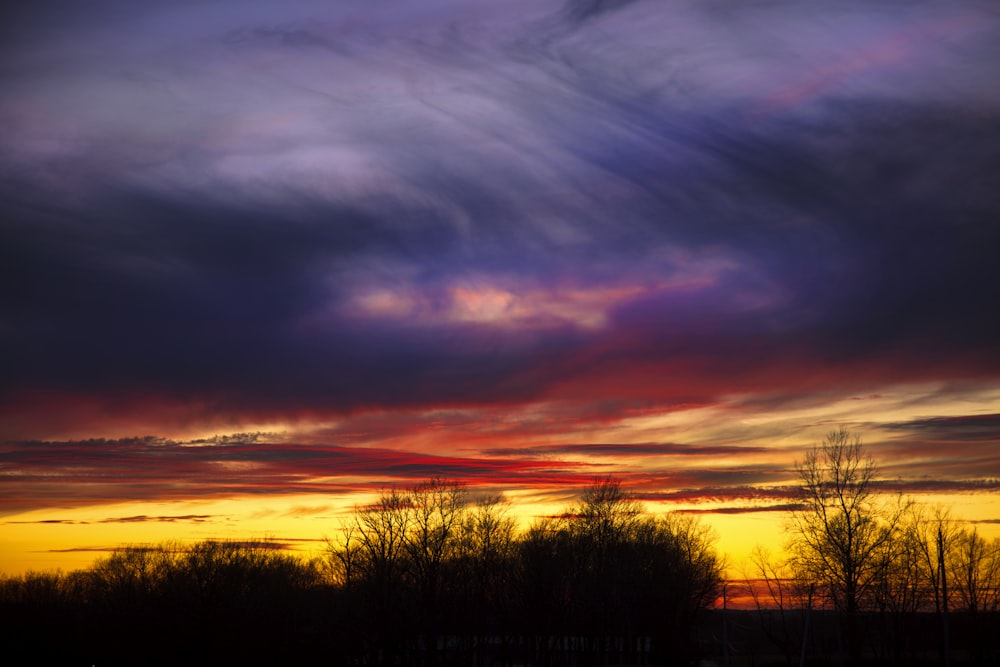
pixel 893 581
pixel 206 604
pixel 433 576
pixel 424 576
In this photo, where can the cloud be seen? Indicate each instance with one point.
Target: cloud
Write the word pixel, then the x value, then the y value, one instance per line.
pixel 50 474
pixel 964 428
pixel 308 510
pixel 766 495
pixel 86 549
pixel 642 449
pixel 47 475
pixel 265 544
pixel 284 544
pixel 422 238
pixel 140 518
pixel 914 447
pixel 488 270
pixel 941 486
pixel 743 509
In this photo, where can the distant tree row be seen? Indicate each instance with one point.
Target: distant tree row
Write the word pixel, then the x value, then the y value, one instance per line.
pixel 882 563
pixel 210 603
pixel 432 575
pixel 423 576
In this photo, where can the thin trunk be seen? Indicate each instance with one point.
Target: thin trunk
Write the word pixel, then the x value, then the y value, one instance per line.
pixel 805 628
pixel 945 648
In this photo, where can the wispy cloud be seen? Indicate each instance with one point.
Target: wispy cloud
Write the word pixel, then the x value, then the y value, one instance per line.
pixel 505 242
pixel 642 449
pixel 743 509
pixel 47 474
pixel 513 200
pixel 139 518
pixel 968 428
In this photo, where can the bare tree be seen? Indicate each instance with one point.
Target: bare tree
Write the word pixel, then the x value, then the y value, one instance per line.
pixel 934 533
pixel 841 536
pixel 606 513
pixel 342 561
pixel 696 541
pixel 373 558
pixel 435 512
pixel 778 596
pixel 904 588
pixel 484 572
pixel 487 542
pixel 975 571
pixel 431 541
pixel 974 575
pixel 488 527
pixel 381 530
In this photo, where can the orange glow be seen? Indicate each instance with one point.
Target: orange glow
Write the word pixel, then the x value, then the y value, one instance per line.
pixel 726 462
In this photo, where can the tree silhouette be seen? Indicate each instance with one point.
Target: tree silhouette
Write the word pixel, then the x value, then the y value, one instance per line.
pixel 481 577
pixel 430 543
pixel 423 576
pixel 778 595
pixel 381 532
pixel 605 578
pixel 974 575
pixel 843 535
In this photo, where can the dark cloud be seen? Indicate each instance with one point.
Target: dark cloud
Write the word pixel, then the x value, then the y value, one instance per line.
pixel 916 447
pixel 581 10
pixel 142 518
pixel 744 509
pixel 964 428
pixel 139 518
pixel 645 449
pixel 766 495
pixel 977 486
pixel 284 544
pixel 267 544
pixel 66 474
pixel 54 474
pixel 219 215
pixel 859 233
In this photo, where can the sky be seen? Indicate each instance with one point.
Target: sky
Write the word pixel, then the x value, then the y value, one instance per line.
pixel 261 260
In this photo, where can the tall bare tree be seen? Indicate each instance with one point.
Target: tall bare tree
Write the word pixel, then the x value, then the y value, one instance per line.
pixel 975 571
pixel 435 510
pixel 481 585
pixel 487 543
pixel 841 536
pixel 431 542
pixel 934 533
pixel 606 513
pixel 974 575
pixel 381 534
pixel 778 596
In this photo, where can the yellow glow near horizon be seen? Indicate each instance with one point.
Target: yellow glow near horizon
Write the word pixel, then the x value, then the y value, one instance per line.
pixel 763 438
pixel 32 542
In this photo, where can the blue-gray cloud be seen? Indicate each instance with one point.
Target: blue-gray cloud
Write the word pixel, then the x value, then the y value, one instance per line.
pixel 270 211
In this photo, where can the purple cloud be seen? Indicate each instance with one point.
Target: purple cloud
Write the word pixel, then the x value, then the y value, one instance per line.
pixel 219 214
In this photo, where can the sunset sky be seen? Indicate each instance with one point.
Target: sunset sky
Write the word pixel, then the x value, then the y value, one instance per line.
pixel 260 260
